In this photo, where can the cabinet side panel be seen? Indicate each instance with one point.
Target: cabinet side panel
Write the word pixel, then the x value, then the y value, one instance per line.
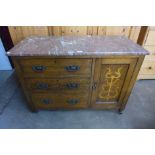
pixel 21 80
pixel 132 81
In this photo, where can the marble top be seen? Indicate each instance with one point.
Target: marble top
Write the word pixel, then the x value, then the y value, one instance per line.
pixel 76 46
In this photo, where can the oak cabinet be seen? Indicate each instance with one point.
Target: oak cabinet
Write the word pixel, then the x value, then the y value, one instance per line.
pixel 82 72
pixel 103 85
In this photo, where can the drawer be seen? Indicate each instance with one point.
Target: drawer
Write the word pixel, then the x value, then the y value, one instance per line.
pixel 50 100
pixel 50 67
pixel 65 84
pixel 148 67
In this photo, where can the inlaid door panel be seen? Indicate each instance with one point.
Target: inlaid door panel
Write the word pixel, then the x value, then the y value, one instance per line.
pixel 111 80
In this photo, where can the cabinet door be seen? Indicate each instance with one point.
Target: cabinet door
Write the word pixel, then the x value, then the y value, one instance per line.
pixel 111 80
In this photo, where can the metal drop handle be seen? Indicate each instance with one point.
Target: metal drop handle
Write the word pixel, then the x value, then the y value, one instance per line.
pixel 72 85
pixel 42 86
pixel 47 101
pixel 38 68
pixel 73 101
pixel 72 68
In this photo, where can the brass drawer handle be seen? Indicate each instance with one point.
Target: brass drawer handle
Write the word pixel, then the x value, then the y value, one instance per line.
pixel 72 85
pixel 42 86
pixel 47 101
pixel 73 101
pixel 38 68
pixel 72 68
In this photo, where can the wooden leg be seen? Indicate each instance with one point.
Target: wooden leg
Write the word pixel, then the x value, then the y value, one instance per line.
pixel 120 111
pixel 32 109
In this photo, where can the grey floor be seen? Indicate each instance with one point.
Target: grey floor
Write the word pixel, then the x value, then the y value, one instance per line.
pixel 139 113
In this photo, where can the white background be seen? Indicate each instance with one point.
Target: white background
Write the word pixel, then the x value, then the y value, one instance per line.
pixel 77 12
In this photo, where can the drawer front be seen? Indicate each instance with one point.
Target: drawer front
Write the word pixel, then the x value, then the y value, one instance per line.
pixel 49 100
pixel 50 67
pixel 65 84
pixel 148 67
